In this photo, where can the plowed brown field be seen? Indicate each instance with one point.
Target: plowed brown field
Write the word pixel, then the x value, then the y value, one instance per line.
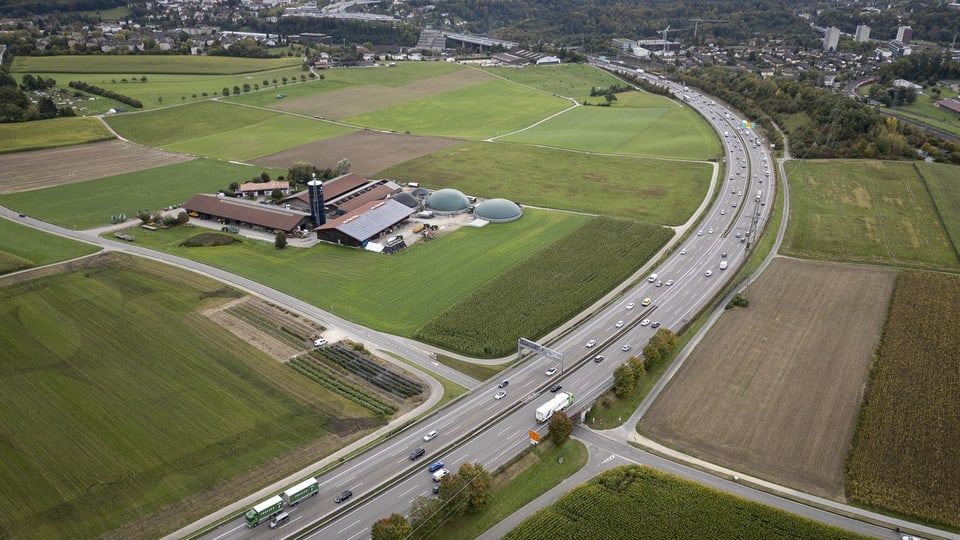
pixel 774 389
pixel 24 171
pixel 369 152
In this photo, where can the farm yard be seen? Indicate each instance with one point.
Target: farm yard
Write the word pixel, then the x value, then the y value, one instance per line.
pixel 143 457
pixel 640 502
pixel 904 455
pixel 774 389
pixel 866 211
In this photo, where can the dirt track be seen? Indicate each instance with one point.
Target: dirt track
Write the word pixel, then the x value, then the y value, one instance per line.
pixel 774 389
pixel 369 152
pixel 24 171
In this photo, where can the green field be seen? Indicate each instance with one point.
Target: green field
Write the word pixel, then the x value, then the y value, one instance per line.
pixel 865 211
pixel 137 65
pixel 51 134
pixel 424 279
pixel 476 112
pixel 943 183
pixel 570 80
pixel 640 502
pixel 120 399
pixel 88 204
pixel 903 457
pixel 25 247
pixel 646 190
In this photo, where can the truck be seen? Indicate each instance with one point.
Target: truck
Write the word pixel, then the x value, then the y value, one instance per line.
pixel 307 488
pixel 759 195
pixel 558 402
pixel 263 511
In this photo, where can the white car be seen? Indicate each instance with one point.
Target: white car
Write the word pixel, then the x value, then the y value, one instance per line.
pixel 708 273
pixel 626 347
pixel 722 212
pixel 700 232
pixel 709 231
pixel 591 343
pixel 619 324
pixel 551 371
pixel 499 395
pixel 430 436
pixel 645 322
pixel 669 282
pixel 631 305
pixel 683 252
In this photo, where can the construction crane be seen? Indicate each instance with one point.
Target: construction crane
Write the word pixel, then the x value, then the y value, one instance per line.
pixel 664 32
pixel 696 23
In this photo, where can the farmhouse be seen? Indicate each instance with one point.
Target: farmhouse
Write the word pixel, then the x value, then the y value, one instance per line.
pixel 367 222
pixel 263 189
pixel 951 105
pixel 258 217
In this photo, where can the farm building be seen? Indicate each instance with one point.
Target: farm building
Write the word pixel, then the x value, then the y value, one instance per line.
pixel 448 201
pixel 259 217
pixel 369 221
pixel 407 199
pixel 345 193
pixel 264 189
pixel 498 211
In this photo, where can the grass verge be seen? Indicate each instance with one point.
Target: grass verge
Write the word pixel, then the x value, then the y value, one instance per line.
pixel 26 247
pixel 480 372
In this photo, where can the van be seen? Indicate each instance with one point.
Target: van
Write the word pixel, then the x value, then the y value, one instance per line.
pixel 279 520
pixel 437 476
pixel 652 278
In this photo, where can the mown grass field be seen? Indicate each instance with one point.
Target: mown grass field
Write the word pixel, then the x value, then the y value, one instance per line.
pixel 570 80
pixel 865 211
pixel 943 183
pixel 546 289
pixel 128 400
pixel 640 502
pixel 51 134
pixel 639 124
pixel 90 204
pixel 396 294
pixel 25 247
pixel 129 65
pixel 904 453
pixel 646 190
pixel 475 112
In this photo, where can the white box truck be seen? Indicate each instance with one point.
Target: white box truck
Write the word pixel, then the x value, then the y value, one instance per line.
pixel 558 402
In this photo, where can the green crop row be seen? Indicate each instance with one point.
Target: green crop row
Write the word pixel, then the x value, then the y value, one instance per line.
pixel 325 379
pixel 639 502
pixel 370 370
pixel 547 288
pixel 267 326
pixel 904 452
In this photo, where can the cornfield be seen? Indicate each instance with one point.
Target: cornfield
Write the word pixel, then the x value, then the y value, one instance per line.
pixel 639 502
pixel 904 453
pixel 547 288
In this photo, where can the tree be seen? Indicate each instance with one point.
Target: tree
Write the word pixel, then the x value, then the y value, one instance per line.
pixel 343 167
pixel 636 364
pixel 225 92
pixel 301 172
pixel 234 187
pixel 280 240
pixel 623 380
pixel 264 176
pixel 276 194
pixel 560 428
pixel 453 495
pixel 477 487
pixel 395 527
pixel 236 90
pixel 425 515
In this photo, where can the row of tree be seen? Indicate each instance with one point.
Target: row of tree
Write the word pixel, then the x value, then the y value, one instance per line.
pixel 110 94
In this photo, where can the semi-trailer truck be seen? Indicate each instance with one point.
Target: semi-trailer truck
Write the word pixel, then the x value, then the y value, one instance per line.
pixel 759 195
pixel 263 511
pixel 301 491
pixel 558 402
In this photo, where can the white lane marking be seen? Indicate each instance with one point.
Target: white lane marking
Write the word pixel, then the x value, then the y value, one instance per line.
pixel 343 530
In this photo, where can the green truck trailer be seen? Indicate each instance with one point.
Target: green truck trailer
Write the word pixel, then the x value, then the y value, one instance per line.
pixel 263 511
pixel 301 491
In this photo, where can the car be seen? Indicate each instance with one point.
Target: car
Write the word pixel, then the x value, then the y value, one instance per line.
pixel 683 252
pixel 723 212
pixel 631 305
pixel 733 191
pixel 598 358
pixel 279 520
pixel 430 436
pixel 656 324
pixel 646 302
pixel 503 384
pixel 437 476
pixel 709 231
pixel 660 283
pixel 739 194
pixel 700 232
pixel 591 343
pixel 436 489
pixel 344 495
pixel 417 454
pixel 645 322
pixel 627 347
pixel 556 388
pixel 669 282
pixel 619 324
pixel 734 205
pixel 435 466
pixel 708 273
pixel 499 395
pixel 551 371
pixel 738 235
pixel 723 255
pixel 23 215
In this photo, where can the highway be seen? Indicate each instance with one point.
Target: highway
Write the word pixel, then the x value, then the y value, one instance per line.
pixel 479 428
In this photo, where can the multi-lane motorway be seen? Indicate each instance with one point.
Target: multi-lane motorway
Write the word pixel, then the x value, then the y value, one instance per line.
pixel 482 429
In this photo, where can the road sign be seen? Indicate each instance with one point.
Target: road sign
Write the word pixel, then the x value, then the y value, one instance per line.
pixel 534 437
